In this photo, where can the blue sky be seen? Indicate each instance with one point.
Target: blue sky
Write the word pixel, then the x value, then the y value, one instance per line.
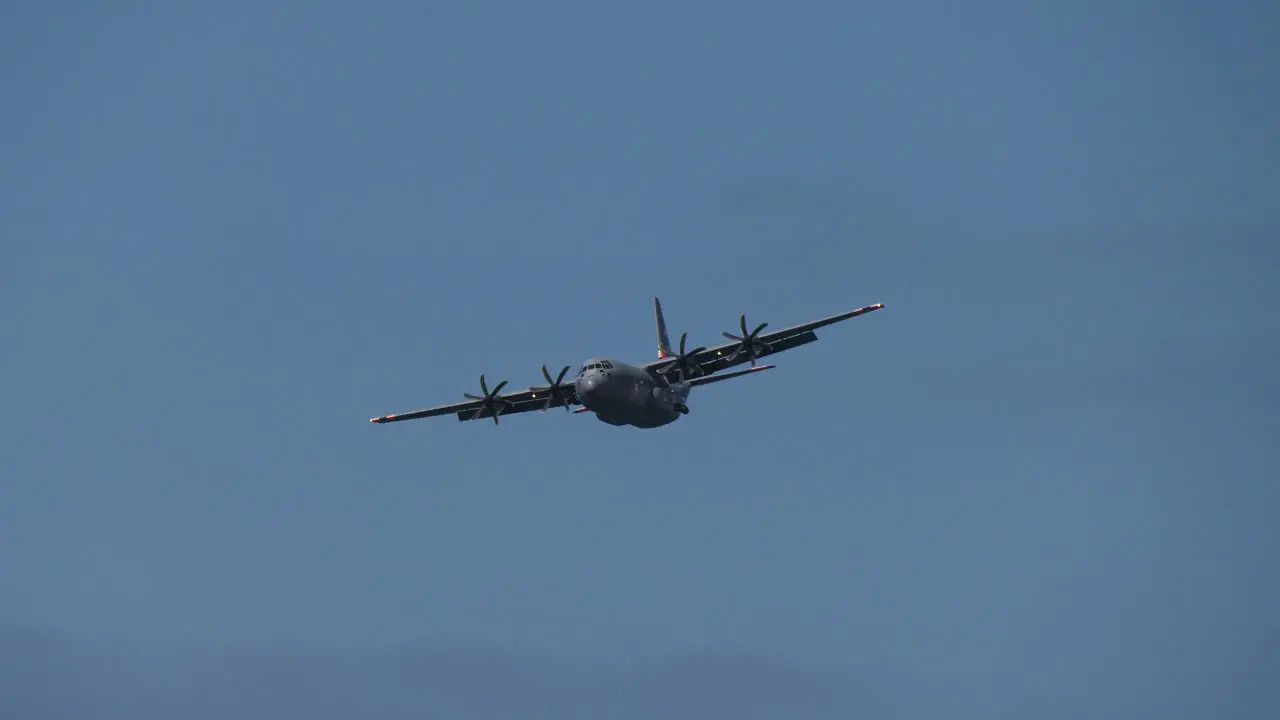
pixel 1042 480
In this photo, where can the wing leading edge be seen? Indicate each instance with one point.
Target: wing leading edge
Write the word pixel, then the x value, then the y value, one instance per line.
pixel 726 355
pixel 522 401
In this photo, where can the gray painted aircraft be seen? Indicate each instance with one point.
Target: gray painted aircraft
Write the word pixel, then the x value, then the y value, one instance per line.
pixel 644 396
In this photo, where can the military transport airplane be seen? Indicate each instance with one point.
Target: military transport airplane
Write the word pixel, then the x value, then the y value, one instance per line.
pixel 644 396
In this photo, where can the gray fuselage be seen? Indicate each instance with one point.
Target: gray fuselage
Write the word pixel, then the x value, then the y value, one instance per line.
pixel 623 394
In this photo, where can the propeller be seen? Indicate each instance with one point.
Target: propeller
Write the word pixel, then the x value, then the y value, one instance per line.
pixel 553 388
pixel 750 346
pixel 491 401
pixel 683 362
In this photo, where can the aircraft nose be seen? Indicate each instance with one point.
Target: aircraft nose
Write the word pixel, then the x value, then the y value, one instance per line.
pixel 587 385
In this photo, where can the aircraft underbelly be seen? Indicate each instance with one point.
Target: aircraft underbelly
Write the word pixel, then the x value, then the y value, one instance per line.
pixel 638 418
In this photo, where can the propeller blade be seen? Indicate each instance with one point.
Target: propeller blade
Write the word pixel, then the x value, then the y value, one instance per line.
pixel 553 388
pixel 748 344
pixel 490 402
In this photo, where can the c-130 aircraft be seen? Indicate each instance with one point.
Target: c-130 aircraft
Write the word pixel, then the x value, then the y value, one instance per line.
pixel 643 396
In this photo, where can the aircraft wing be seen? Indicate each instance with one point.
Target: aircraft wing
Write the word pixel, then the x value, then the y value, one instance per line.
pixel 521 401
pixel 722 356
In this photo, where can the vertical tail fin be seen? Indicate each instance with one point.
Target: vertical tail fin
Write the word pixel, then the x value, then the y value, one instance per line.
pixel 664 343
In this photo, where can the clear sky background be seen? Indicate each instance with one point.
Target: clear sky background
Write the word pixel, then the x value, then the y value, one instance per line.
pixel 1041 483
